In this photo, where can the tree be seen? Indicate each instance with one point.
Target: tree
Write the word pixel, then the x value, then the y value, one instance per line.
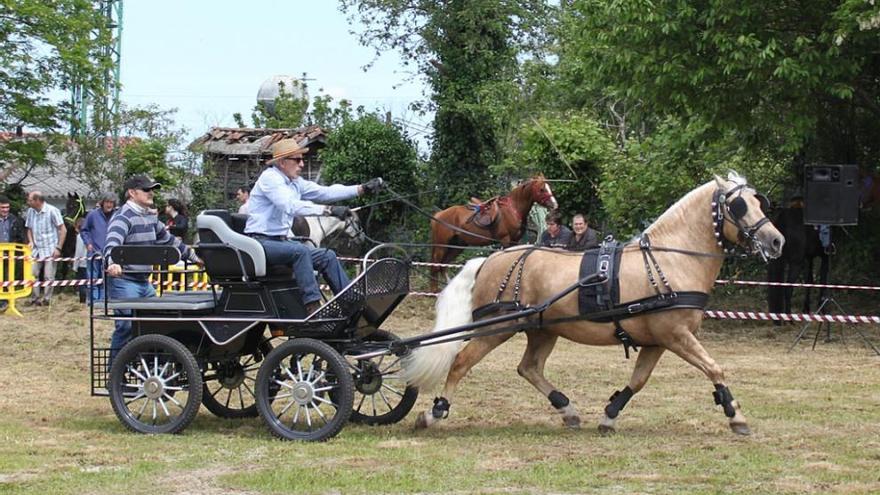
pixel 367 147
pixel 287 111
pixel 779 79
pixel 45 47
pixel 468 51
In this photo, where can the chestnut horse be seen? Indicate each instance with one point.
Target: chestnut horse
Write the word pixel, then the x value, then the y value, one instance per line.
pixel 450 226
pixel 685 245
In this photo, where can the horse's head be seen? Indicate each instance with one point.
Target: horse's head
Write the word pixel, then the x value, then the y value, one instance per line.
pixel 541 193
pixel 75 207
pixel 739 215
pixel 353 228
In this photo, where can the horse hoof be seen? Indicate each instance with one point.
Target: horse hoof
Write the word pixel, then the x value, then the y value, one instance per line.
pixel 422 421
pixel 573 422
pixel 740 429
pixel 606 430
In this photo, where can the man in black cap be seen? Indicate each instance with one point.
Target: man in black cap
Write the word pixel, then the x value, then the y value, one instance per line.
pixel 136 223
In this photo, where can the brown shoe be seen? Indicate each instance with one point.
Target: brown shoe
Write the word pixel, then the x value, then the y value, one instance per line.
pixel 312 307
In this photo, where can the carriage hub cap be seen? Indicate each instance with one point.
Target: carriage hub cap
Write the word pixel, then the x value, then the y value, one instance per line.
pixel 303 393
pixel 154 387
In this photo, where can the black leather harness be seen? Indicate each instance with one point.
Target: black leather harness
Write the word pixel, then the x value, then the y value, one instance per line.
pixel 599 291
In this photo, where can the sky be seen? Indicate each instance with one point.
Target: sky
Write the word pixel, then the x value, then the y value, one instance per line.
pixel 209 58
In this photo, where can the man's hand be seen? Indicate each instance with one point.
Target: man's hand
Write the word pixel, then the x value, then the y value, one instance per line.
pixel 340 212
pixel 373 186
pixel 114 270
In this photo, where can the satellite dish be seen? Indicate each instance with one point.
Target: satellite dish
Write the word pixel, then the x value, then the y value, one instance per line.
pixel 271 88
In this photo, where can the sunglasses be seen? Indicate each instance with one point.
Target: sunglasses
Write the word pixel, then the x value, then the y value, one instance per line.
pixel 146 190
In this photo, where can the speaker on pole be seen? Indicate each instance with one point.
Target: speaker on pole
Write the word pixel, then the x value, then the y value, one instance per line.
pixel 831 195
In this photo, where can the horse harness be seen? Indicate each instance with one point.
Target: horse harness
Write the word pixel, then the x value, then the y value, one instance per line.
pixel 599 291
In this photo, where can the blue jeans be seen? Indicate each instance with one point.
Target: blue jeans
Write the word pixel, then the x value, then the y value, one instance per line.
pixel 305 260
pixel 123 288
pixel 95 271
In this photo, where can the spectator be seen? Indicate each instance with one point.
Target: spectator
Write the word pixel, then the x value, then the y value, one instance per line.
pixel 136 223
pixel 556 235
pixel 94 235
pixel 11 230
pixel 242 195
pixel 584 237
pixel 11 225
pixel 46 233
pixel 80 261
pixel 178 222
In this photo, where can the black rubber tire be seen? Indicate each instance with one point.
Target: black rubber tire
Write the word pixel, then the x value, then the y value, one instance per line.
pixel 167 361
pixel 332 372
pixel 395 411
pixel 244 392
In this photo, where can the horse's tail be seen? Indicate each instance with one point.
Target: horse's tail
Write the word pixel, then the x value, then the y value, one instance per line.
pixel 427 366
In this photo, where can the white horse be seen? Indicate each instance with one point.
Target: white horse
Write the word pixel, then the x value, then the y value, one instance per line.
pixel 324 228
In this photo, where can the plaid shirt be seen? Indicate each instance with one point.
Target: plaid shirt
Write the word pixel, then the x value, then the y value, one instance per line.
pixel 44 225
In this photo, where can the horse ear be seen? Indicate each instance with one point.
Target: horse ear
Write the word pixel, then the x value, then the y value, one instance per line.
pixel 718 180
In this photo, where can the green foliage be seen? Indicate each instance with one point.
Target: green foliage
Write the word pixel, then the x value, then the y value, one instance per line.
pixel 46 47
pixel 287 112
pixel 204 193
pixel 148 157
pixel 676 158
pixel 797 76
pixel 468 53
pixel 365 148
pixel 571 147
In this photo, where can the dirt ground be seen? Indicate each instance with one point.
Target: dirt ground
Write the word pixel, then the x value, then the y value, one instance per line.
pixel 815 416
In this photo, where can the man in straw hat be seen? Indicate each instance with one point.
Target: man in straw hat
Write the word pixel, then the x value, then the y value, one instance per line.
pixel 278 196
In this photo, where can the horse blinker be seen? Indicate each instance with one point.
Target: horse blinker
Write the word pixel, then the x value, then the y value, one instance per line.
pixel 738 208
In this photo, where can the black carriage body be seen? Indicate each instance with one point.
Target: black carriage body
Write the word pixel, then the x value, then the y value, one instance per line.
pixel 230 320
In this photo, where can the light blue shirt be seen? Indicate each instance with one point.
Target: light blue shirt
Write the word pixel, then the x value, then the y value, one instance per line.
pixel 275 200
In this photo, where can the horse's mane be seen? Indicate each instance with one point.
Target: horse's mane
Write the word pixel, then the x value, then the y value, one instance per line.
pixel 677 214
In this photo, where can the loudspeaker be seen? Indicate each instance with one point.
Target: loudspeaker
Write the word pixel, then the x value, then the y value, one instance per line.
pixel 831 195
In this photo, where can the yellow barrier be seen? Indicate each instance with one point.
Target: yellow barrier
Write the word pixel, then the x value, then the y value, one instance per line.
pixel 177 282
pixel 14 269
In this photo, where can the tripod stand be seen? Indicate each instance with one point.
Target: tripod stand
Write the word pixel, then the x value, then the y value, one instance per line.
pixel 829 300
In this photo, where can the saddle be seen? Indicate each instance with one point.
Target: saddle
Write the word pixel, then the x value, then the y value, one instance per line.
pixel 485 212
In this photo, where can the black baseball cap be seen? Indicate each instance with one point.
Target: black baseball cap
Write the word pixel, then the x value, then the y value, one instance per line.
pixel 141 182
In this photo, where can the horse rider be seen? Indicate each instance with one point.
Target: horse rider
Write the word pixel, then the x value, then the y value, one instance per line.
pixel 556 235
pixel 278 196
pixel 136 223
pixel 584 237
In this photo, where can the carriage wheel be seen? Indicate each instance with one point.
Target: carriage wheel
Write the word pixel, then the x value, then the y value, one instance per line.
pixel 381 395
pixel 155 385
pixel 229 385
pixel 304 391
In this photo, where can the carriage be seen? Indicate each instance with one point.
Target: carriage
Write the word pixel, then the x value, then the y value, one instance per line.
pixel 248 347
pixel 192 348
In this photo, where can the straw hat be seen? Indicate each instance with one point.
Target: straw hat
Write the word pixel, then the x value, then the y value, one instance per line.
pixel 285 148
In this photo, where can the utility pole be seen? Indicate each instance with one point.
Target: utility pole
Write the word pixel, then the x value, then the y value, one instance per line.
pixel 105 107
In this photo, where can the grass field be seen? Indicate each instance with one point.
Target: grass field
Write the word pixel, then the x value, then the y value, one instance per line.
pixel 815 417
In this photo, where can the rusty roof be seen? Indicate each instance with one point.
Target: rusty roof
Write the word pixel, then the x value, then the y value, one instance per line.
pixel 254 142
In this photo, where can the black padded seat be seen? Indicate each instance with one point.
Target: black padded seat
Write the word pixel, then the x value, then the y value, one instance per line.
pixel 222 240
pixel 184 301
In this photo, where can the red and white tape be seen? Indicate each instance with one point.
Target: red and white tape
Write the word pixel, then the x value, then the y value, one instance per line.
pixel 761 316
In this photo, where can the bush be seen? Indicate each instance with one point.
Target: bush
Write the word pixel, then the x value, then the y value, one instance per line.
pixel 367 147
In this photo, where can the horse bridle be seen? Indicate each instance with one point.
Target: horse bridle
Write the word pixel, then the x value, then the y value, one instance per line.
pixel 539 194
pixel 734 210
pixel 80 210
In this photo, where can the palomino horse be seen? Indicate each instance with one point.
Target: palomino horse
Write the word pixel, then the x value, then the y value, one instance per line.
pixel 685 243
pixel 450 226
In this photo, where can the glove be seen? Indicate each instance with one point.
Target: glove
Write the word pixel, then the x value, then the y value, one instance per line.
pixel 373 186
pixel 340 212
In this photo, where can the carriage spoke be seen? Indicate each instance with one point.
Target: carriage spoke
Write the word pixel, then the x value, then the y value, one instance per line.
pixel 228 397
pixel 308 417
pixel 361 403
pixel 240 398
pixel 318 410
pixel 385 400
pixel 285 408
pixel 389 387
pixel 172 399
pixel 164 408
pixel 325 401
pixel 383 371
pixel 139 396
pixel 135 373
pixel 373 401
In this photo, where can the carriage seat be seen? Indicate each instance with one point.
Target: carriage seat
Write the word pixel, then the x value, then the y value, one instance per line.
pixel 228 253
pixel 186 301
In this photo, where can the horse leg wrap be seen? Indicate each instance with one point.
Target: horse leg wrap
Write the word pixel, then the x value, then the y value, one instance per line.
pixel 724 398
pixel 441 408
pixel 558 399
pixel 618 401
